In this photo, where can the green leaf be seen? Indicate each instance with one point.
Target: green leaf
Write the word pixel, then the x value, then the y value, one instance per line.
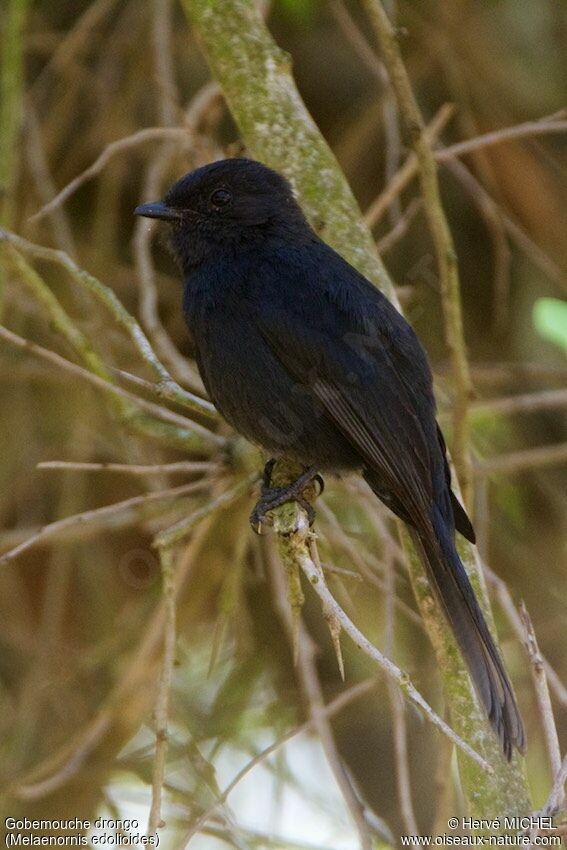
pixel 550 320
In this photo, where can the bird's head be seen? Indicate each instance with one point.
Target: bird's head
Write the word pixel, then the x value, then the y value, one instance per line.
pixel 225 206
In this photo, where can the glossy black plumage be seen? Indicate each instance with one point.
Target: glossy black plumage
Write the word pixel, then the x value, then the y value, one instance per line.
pixel 302 355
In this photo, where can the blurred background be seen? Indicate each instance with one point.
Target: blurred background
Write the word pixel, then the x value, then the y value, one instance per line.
pixel 80 610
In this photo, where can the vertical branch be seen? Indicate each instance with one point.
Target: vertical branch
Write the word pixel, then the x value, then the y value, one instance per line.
pixel 542 693
pixel 444 247
pixel 163 58
pixel 11 111
pixel 11 101
pixel 149 301
pixel 164 688
pixel 391 131
pixel 389 112
pixel 403 778
pixel 44 183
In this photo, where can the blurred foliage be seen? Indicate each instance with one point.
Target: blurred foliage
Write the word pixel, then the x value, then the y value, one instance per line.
pixel 79 612
pixel 298 11
pixel 550 320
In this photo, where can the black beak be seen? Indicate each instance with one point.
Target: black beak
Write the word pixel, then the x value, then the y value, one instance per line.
pixel 158 210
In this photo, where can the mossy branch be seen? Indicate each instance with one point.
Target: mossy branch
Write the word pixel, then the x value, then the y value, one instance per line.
pixel 257 82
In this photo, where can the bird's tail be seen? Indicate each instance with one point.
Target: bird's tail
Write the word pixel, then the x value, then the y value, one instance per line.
pixel 453 590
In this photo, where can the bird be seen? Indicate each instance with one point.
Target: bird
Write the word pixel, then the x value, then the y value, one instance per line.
pixel 304 357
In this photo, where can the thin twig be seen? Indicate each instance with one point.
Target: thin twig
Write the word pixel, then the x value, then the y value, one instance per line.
pixel 446 154
pixel 316 578
pixel 182 466
pixel 149 310
pixel 407 172
pixel 98 514
pixel 314 693
pixel 390 239
pixel 63 324
pixel 542 127
pixel 164 391
pixel 74 759
pixel 148 134
pixel 514 462
pixel 403 776
pixel 542 692
pixel 556 799
pixel 176 533
pixel 12 83
pixel 147 519
pixel 163 55
pixel 507 603
pixel 483 166
pixel 79 372
pixel 499 373
pixel 486 202
pixel 356 37
pixel 161 711
pixel 73 41
pixel 335 534
pixel 389 114
pixel 45 187
pixel 527 403
pixel 167 388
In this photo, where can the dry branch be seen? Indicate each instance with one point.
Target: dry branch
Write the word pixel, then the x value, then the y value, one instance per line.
pixel 102 514
pixel 181 422
pixel 166 386
pixel 161 710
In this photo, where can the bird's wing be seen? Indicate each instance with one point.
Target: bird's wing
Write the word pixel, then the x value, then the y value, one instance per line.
pixel 348 345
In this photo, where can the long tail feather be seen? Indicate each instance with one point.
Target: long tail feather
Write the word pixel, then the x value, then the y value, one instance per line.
pixel 453 589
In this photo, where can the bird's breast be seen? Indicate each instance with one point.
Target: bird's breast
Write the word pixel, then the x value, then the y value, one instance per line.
pixel 249 385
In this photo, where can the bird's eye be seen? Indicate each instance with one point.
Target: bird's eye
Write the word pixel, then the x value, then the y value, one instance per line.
pixel 220 198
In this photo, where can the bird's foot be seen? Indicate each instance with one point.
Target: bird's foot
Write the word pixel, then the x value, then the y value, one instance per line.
pixel 273 497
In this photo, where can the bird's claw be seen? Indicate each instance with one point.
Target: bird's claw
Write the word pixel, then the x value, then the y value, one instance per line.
pixel 264 506
pixel 273 497
pixel 257 519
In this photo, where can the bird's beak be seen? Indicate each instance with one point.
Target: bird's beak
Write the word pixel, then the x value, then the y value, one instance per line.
pixel 158 210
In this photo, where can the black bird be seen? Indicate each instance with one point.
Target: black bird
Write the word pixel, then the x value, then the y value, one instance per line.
pixel 304 357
